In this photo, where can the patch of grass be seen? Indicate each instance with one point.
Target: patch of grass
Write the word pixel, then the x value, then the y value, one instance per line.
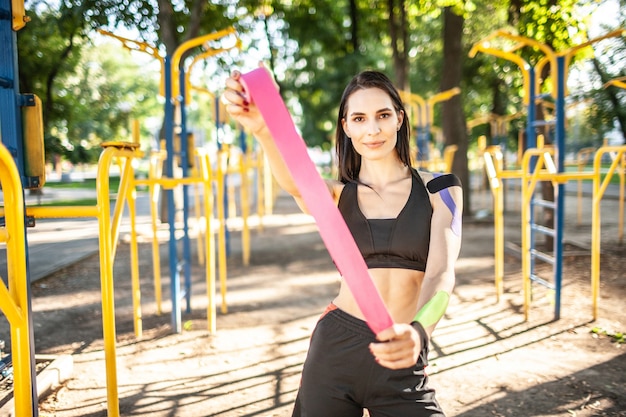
pixel 618 337
pixel 89 184
pixel 62 203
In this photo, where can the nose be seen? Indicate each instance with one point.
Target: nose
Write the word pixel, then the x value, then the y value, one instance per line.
pixel 374 128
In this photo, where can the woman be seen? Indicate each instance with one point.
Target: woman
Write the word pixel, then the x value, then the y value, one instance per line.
pixel 407 226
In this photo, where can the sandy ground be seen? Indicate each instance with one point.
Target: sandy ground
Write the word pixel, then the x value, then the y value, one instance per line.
pixel 486 360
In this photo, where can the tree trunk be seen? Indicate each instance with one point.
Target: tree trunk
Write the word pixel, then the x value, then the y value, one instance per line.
pixel 399 42
pixel 453 118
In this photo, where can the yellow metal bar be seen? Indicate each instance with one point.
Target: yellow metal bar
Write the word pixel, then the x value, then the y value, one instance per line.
pixel 268 189
pixel 184 47
pixel 221 246
pixel 202 56
pixel 139 46
pixel 106 279
pixel 205 174
pixel 19 18
pixel 16 310
pixel 622 183
pixel 245 210
pixel 493 161
pixel 582 158
pixel 198 212
pixel 260 184
pixel 9 308
pixel 131 199
pixel 54 212
pixel 418 106
pixel 168 183
pixel 111 151
pixel 521 63
pixel 154 172
pixel 126 176
pixel 599 187
pixel 439 97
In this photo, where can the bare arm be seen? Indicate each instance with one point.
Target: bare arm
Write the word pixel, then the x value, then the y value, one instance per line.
pixel 402 342
pixel 248 115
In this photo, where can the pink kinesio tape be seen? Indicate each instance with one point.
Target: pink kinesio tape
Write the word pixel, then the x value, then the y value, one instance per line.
pixel 260 89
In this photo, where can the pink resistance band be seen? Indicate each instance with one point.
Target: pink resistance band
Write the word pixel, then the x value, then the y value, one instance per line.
pixel 339 242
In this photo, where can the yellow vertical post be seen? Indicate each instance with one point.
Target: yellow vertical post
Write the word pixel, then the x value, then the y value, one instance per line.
pixel 493 163
pixel 599 187
pixel 14 300
pixel 205 174
pixel 131 200
pixel 245 209
pixel 260 183
pixel 268 188
pixel 154 173
pixel 197 207
pixel 221 247
pixel 135 131
pixel 595 234
pixel 622 182
pixel 106 280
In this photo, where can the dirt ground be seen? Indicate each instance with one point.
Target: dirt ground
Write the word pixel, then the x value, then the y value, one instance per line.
pixel 486 360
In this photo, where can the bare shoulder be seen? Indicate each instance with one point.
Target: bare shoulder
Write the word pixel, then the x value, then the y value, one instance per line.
pixel 425 175
pixel 335 187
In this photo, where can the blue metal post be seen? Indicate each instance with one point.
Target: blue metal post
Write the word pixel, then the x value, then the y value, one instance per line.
pixel 531 138
pixel 423 138
pixel 171 206
pixel 184 159
pixel 559 210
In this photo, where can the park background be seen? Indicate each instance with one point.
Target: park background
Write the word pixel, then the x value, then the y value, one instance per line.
pixel 93 90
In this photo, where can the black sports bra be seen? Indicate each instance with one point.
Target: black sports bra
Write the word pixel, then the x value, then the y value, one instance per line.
pixel 391 243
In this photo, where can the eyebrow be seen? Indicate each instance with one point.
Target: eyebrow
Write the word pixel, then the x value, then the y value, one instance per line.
pixel 357 113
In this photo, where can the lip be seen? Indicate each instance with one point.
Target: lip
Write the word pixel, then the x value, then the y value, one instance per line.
pixel 376 144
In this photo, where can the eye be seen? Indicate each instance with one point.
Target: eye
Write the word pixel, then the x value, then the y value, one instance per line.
pixel 385 115
pixel 357 119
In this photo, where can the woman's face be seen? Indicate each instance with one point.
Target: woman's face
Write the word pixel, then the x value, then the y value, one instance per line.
pixel 372 123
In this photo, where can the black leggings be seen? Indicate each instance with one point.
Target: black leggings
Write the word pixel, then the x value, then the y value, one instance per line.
pixel 341 378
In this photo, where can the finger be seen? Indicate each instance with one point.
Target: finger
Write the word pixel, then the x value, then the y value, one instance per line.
pixel 234 98
pixel 400 364
pixel 234 84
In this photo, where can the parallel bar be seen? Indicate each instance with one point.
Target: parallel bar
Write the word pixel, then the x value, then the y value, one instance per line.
pixel 542 256
pixel 542 229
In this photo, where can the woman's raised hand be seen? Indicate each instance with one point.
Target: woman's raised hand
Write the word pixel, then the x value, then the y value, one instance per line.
pixel 239 108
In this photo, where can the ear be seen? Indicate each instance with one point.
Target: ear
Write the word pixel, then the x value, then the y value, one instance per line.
pixel 344 125
pixel 400 118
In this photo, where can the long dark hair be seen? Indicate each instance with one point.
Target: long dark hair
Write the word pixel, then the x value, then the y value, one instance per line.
pixel 349 160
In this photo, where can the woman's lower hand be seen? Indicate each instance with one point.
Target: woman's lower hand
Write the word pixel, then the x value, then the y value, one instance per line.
pixel 399 347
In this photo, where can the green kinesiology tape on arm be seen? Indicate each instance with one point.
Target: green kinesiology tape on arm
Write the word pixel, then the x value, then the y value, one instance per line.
pixel 433 310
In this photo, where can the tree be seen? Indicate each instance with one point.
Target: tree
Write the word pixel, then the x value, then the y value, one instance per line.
pixel 452 116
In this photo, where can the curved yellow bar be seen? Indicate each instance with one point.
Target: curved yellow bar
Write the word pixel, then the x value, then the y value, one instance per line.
pixel 14 300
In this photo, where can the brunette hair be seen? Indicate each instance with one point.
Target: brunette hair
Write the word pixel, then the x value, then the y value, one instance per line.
pixel 349 161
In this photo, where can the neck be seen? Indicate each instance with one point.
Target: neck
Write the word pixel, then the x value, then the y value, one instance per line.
pixel 380 174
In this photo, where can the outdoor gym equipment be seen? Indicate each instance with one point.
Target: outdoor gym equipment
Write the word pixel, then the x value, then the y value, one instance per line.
pixel 14 295
pixel 536 155
pixel 423 114
pixel 21 166
pixel 175 82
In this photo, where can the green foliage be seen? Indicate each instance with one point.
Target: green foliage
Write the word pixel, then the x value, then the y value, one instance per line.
pixel 313 46
pixel 617 337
